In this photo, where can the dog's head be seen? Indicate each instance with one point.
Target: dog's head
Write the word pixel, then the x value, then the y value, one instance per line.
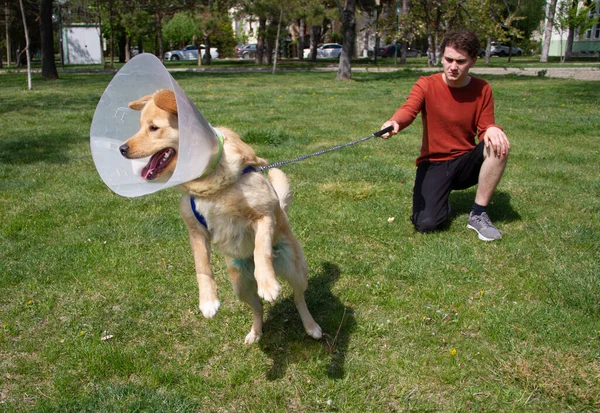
pixel 158 136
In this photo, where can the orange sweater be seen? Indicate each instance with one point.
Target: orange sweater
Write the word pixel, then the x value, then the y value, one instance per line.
pixel 452 117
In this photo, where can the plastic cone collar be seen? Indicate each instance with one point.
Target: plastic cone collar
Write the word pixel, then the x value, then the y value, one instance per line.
pixel 114 123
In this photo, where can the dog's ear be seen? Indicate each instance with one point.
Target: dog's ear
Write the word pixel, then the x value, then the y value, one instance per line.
pixel 165 100
pixel 242 149
pixel 253 160
pixel 140 103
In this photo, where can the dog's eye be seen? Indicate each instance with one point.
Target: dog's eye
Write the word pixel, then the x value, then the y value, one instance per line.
pixel 153 128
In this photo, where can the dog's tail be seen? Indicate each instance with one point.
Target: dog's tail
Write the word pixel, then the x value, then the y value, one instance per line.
pixel 282 187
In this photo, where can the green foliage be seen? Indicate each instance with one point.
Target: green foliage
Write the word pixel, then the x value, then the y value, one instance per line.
pixel 223 38
pixel 415 322
pixel 180 30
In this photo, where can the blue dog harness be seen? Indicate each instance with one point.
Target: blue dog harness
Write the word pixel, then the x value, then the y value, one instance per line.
pixel 199 217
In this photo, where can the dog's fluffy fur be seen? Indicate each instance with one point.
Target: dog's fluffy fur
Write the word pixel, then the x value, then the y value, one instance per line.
pixel 245 213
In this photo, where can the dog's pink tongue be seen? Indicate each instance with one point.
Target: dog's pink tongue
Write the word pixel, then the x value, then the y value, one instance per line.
pixel 148 172
pixel 157 163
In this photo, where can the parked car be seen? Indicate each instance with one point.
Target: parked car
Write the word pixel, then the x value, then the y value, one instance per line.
pixel 388 51
pixel 190 52
pixel 247 51
pixel 326 51
pixel 499 49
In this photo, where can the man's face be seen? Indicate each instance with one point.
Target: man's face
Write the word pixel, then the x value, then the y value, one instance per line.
pixel 456 64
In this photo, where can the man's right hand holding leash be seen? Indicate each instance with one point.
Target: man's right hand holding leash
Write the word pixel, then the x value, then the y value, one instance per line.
pixel 393 124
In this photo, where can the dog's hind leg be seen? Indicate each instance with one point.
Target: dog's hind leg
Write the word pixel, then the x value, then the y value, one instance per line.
pixel 200 242
pixel 290 265
pixel 245 288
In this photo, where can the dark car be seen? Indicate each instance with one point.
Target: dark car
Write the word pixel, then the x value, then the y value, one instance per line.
pixel 247 51
pixel 388 51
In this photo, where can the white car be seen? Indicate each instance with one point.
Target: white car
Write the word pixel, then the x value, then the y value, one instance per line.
pixel 499 49
pixel 326 51
pixel 190 52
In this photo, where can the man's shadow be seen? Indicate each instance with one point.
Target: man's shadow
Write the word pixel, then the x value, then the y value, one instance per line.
pixel 285 341
pixel 499 209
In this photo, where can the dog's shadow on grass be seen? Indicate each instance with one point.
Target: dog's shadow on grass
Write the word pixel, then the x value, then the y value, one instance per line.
pixel 285 341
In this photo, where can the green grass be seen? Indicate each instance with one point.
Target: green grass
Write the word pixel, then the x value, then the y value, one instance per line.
pixel 436 322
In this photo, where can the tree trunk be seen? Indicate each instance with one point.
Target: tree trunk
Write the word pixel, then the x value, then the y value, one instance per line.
pixel 550 11
pixel 29 85
pixel 123 55
pixel 436 40
pixel 348 17
pixel 6 20
pixel 315 34
pixel 405 33
pixel 112 37
pixel 301 39
pixel 277 39
pixel 260 44
pixel 47 39
pixel 127 49
pixel 207 58
pixel 159 35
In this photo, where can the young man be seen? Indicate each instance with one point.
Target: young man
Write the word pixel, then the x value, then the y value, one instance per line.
pixel 455 107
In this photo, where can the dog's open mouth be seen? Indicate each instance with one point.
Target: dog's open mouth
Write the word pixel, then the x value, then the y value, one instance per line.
pixel 157 163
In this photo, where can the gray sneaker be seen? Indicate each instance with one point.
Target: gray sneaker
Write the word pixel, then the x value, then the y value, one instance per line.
pixel 484 227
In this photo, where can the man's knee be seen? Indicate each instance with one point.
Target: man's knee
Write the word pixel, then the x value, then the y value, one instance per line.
pixel 489 154
pixel 427 223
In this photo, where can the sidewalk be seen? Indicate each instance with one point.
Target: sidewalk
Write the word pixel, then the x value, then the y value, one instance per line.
pixel 578 73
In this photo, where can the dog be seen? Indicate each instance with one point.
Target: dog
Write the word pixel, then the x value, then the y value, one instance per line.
pixel 235 208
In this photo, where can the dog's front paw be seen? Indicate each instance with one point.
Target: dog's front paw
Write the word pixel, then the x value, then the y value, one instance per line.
pixel 252 337
pixel 209 308
pixel 315 332
pixel 269 290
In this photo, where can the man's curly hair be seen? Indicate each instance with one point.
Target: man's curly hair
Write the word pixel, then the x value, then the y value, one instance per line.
pixel 461 40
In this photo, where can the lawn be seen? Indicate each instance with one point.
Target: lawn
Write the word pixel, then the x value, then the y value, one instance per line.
pixel 98 298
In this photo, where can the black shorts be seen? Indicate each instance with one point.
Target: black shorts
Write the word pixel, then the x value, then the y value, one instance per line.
pixel 434 182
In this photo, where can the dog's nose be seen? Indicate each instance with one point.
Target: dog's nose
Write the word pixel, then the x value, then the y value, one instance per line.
pixel 124 149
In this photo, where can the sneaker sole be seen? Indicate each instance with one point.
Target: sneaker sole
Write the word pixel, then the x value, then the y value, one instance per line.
pixel 481 237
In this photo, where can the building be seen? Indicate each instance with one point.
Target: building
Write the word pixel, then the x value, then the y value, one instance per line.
pixel 82 44
pixel 586 42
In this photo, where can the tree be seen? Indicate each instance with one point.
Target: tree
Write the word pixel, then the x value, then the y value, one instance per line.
pixel 431 13
pixel 180 30
pixel 137 25
pixel 348 18
pixel 267 13
pixel 7 18
pixel 29 85
pixel 47 36
pixel 570 17
pixel 550 12
pixel 213 25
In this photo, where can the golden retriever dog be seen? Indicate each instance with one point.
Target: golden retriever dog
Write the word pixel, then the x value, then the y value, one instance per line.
pixel 242 213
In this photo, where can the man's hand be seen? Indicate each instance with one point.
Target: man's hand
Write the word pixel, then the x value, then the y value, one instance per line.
pixel 496 139
pixel 393 124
